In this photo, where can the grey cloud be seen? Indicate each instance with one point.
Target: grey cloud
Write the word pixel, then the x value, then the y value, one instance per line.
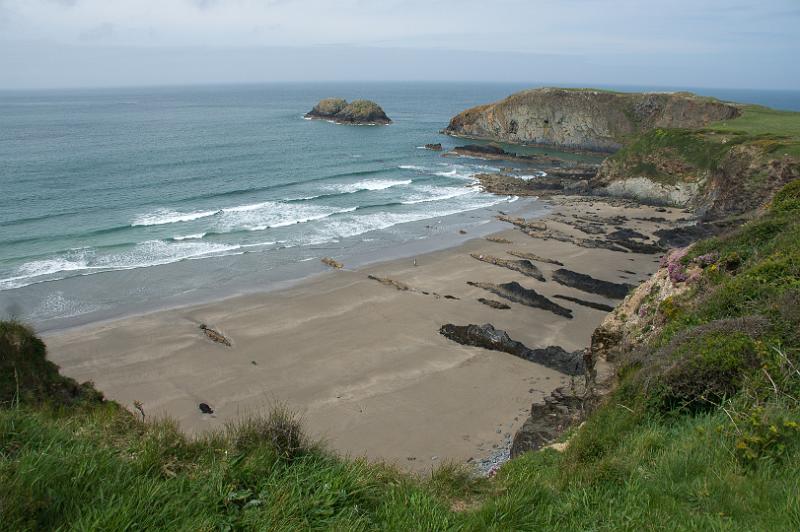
pixel 706 43
pixel 98 33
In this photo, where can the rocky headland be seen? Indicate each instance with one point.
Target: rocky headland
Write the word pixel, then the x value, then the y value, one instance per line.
pixel 680 149
pixel 586 119
pixel 357 112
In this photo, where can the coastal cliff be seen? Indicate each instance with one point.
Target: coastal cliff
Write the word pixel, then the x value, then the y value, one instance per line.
pixel 713 331
pixel 585 119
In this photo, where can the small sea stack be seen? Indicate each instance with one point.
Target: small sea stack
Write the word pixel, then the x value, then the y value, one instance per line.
pixel 357 112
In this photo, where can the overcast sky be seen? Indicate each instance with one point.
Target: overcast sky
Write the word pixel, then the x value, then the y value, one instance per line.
pixel 691 43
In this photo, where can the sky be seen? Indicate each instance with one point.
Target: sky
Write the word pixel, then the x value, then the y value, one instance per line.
pixel 672 43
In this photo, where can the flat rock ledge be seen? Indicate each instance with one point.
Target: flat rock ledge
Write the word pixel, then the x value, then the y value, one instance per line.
pixel 488 337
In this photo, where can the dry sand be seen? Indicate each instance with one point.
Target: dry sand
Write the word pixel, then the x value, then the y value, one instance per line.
pixel 362 361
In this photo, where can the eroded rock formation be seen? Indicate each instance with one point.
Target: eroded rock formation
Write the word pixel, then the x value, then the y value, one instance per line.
pixel 587 283
pixel 488 337
pixel 523 266
pixel 517 293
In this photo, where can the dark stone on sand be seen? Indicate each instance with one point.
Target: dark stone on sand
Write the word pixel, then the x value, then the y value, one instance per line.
pixel 585 303
pixel 215 336
pixel 488 337
pixel 523 266
pixel 204 408
pixel 533 256
pixel 587 283
pixel 494 303
pixel 634 241
pixel 390 282
pixel 517 293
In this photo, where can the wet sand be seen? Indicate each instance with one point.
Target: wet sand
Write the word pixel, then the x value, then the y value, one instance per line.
pixel 363 361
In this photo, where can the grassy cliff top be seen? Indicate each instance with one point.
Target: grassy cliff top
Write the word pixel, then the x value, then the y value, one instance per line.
pixel 757 121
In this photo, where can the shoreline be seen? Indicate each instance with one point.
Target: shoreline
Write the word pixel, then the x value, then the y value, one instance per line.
pixel 281 277
pixel 363 361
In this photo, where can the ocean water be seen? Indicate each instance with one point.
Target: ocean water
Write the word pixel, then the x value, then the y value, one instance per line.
pixel 117 201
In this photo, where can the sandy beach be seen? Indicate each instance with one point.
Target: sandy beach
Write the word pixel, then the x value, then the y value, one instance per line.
pixel 363 361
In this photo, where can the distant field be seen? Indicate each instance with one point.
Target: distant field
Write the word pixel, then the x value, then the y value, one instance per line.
pixel 757 120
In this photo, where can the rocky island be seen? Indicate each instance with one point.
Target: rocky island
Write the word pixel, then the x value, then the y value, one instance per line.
pixel 357 112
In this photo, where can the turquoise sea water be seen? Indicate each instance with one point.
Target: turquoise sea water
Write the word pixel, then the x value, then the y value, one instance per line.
pixel 115 201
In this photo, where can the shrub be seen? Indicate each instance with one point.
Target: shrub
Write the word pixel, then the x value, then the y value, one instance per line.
pixel 766 435
pixel 698 367
pixel 282 429
pixel 787 199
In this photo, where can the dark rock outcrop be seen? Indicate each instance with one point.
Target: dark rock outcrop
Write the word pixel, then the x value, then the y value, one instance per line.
pixel 434 147
pixel 494 303
pixel 533 256
pixel 357 112
pixel 399 285
pixel 683 235
pixel 587 283
pixel 523 266
pixel 590 304
pixel 488 337
pixel 548 420
pixel 517 293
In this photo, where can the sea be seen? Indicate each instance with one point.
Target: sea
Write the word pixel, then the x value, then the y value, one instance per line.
pixel 121 201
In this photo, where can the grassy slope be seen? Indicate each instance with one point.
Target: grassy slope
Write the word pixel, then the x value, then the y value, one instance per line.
pixel 702 433
pixel 773 134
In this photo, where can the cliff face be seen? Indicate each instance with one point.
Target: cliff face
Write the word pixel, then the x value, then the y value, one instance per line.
pixel 585 119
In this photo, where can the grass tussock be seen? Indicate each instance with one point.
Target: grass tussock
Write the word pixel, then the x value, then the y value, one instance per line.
pixel 281 428
pixel 702 433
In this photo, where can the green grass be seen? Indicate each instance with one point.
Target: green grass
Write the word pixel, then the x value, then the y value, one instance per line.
pixel 757 120
pixel 781 127
pixel 694 151
pixel 670 156
pixel 667 450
